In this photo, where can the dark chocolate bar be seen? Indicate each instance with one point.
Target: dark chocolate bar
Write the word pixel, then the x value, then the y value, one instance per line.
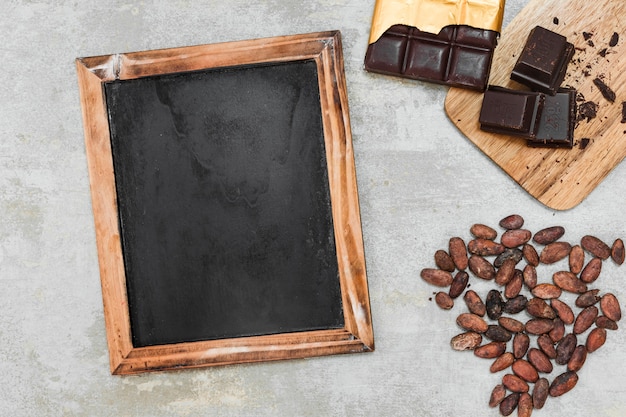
pixel 556 126
pixel 458 56
pixel 511 112
pixel 543 61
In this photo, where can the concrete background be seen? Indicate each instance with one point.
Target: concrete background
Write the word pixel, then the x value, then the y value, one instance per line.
pixel 420 182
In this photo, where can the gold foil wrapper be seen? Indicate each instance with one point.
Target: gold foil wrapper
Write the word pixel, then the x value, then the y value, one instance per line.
pixel 433 15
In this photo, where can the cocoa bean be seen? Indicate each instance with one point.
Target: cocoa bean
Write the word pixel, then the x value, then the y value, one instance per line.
pixel 585 319
pixel 514 305
pixel 513 221
pixel 444 261
pixel 547 346
pixel 539 326
pixel 595 339
pixel 490 350
pixel 497 333
pixel 512 325
pixel 481 267
pixel 554 252
pixel 466 341
pixel 610 307
pixel 505 272
pixel 509 403
pixel 474 303
pixel 617 251
pixel 591 271
pixel 563 383
pixel 530 254
pixel 444 301
pixel 515 238
pixel 485 247
pixel 525 405
pixel 525 370
pixel 497 395
pixel 514 286
pixel 564 311
pixel 565 348
pixel 539 360
pixel 538 308
pixel 569 282
pixel 558 331
pixel 472 322
pixel 578 358
pixel 436 277
pixel 540 393
pixel 482 231
pixel 521 342
pixel 494 303
pixel 549 235
pixel 514 383
pixel 576 259
pixel 606 323
pixel 595 246
pixel 458 252
pixel 512 253
pixel 546 291
pixel 587 298
pixel 459 283
pixel 530 276
pixel 502 362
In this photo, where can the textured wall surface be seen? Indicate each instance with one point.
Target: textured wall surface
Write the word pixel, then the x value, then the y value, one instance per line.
pixel 420 182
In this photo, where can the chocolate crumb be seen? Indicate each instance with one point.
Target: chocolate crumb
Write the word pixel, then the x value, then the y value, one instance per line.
pixel 583 143
pixel 614 39
pixel 623 112
pixel 606 91
pixel 587 35
pixel 590 43
pixel 555 20
pixel 602 52
pixel 587 110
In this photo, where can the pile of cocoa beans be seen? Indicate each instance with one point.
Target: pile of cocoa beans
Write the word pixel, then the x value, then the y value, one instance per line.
pixel 524 324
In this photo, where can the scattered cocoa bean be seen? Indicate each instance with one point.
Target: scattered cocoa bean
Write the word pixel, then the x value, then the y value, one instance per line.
pixel 511 324
pixel 546 291
pixel 525 370
pixel 497 333
pixel 509 403
pixel 554 252
pixel 549 235
pixel 530 254
pixel 494 303
pixel 485 247
pixel 539 360
pixel 521 342
pixel 539 326
pixel 514 221
pixel 459 283
pixel 579 356
pixel 595 339
pixel 514 238
pixel 606 323
pixel 444 261
pixel 538 308
pixel 497 395
pixel 617 251
pixel 437 277
pixel 565 348
pixel 514 286
pixel 595 246
pixel 569 282
pixel 587 298
pixel 509 253
pixel 591 271
pixel 466 341
pixel 474 303
pixel 458 252
pixel 585 319
pixel 514 383
pixel 481 231
pixel 514 305
pixel 564 311
pixel 490 350
pixel 558 331
pixel 505 272
pixel 547 346
pixel 530 276
pixel 610 307
pixel 563 383
pixel 524 405
pixel 444 301
pixel 472 322
pixel 540 393
pixel 576 259
pixel 502 362
pixel 481 267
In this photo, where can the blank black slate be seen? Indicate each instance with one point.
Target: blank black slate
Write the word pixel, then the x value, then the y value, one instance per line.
pixel 224 203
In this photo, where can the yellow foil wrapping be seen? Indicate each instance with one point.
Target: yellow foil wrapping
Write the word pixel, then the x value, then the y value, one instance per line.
pixel 433 15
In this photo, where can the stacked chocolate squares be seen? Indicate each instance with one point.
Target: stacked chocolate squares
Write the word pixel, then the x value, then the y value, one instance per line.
pixel 544 116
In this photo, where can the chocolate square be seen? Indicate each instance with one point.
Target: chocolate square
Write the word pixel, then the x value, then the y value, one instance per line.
pixel 511 112
pixel 543 61
pixel 458 56
pixel 556 125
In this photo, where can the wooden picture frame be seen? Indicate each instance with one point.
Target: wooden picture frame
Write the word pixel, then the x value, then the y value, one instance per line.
pixel 355 332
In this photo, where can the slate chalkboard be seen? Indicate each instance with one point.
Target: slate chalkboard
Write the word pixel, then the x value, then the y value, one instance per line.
pixel 226 209
pixel 224 203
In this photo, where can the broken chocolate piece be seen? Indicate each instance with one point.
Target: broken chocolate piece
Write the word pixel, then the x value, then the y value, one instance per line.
pixel 584 142
pixel 458 56
pixel 587 110
pixel 606 91
pixel 556 125
pixel 614 39
pixel 623 112
pixel 543 61
pixel 511 112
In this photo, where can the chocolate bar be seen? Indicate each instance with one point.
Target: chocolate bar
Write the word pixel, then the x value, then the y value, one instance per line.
pixel 511 112
pixel 543 61
pixel 556 125
pixel 458 56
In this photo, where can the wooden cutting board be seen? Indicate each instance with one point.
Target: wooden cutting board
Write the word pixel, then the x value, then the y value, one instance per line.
pixel 559 178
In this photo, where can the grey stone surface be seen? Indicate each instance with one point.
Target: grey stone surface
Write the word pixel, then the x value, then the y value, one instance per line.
pixel 420 182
